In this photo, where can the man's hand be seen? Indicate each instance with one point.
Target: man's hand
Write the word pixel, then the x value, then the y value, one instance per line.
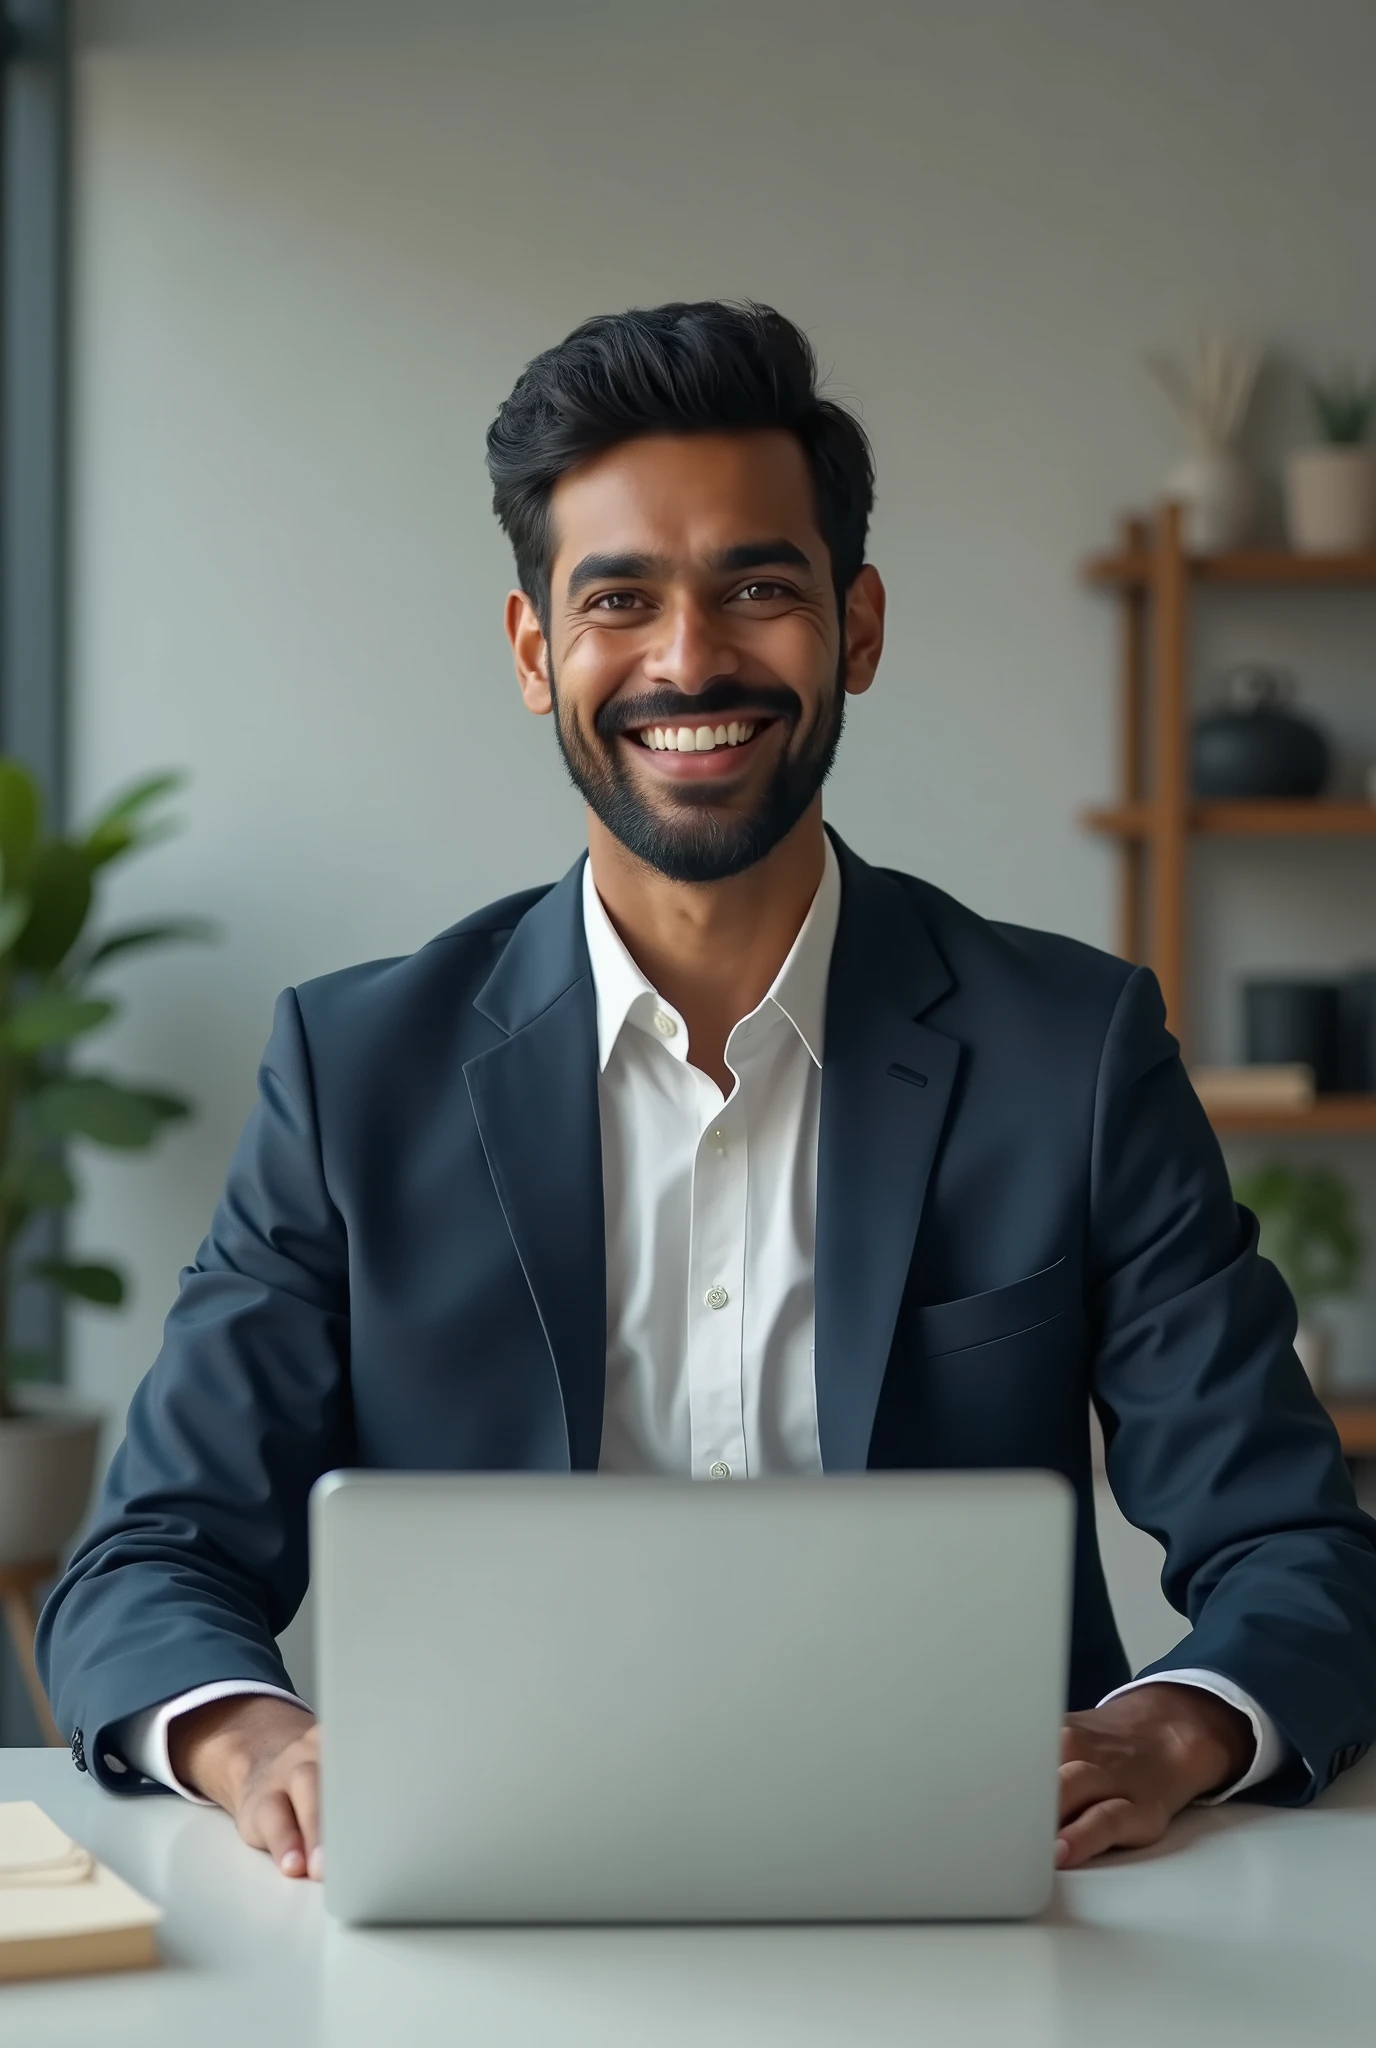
pixel 259 1758
pixel 1128 1768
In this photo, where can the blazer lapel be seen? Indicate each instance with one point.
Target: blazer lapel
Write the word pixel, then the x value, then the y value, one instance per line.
pixel 886 1085
pixel 535 1099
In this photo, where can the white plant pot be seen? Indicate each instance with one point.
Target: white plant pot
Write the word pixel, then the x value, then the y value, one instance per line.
pixel 1330 500
pixel 1312 1347
pixel 47 1459
pixel 1219 496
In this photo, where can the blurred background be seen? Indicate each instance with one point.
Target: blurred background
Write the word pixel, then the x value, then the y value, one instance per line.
pixel 268 271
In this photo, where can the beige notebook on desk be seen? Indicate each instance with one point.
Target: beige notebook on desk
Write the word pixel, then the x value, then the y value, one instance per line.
pixel 61 1912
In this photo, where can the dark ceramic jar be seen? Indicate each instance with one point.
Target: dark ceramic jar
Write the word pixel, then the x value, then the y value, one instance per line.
pixel 1252 746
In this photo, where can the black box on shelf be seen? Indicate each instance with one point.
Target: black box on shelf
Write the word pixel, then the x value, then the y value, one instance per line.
pixel 1294 1023
pixel 1357 1032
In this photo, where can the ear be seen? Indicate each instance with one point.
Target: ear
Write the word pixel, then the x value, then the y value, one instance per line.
pixel 528 645
pixel 864 630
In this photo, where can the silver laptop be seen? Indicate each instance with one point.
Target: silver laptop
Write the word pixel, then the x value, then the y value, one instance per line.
pixel 550 1698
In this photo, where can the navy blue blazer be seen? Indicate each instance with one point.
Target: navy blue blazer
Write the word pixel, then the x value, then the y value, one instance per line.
pixel 1020 1206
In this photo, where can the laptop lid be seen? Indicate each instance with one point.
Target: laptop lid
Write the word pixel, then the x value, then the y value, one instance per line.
pixel 571 1698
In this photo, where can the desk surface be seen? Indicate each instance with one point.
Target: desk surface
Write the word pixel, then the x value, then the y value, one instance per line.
pixel 1253 1927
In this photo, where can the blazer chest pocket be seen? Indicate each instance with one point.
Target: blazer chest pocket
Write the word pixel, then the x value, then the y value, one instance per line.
pixel 997 1379
pixel 1003 1312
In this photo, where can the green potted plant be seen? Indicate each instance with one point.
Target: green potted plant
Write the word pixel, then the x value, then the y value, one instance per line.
pixel 51 999
pixel 1309 1228
pixel 1330 491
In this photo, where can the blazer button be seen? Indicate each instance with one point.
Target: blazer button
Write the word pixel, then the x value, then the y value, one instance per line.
pixel 79 1750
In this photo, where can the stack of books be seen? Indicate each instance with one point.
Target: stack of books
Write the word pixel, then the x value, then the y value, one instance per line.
pixel 61 1912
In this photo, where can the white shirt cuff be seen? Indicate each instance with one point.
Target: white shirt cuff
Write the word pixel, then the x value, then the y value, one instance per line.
pixel 141 1739
pixel 1272 1749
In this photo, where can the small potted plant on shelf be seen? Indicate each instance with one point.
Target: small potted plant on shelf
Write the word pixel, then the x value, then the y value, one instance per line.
pixel 50 1000
pixel 1330 491
pixel 1309 1228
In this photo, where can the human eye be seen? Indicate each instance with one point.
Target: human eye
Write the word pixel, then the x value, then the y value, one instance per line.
pixel 615 601
pixel 762 590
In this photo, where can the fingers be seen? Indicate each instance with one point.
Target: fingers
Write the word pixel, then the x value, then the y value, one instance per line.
pixel 305 1797
pixel 279 1808
pixel 1084 1784
pixel 269 1822
pixel 1110 1824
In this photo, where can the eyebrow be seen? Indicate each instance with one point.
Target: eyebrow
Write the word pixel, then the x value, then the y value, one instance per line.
pixel 761 554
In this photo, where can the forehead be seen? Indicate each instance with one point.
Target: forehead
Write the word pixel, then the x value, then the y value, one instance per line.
pixel 684 496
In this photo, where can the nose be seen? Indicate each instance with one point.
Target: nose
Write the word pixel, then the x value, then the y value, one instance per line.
pixel 690 648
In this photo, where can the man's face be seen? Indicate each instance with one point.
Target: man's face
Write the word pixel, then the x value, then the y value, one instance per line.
pixel 695 662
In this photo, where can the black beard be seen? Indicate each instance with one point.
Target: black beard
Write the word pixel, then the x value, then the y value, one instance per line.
pixel 694 845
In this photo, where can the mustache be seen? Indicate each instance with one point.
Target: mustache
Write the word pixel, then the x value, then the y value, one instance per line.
pixel 723 697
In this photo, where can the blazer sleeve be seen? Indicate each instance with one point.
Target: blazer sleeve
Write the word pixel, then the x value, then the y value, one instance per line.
pixel 196 1559
pixel 1216 1443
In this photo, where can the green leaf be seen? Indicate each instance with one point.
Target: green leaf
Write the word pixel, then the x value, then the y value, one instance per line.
pixel 28 1365
pixel 168 1107
pixel 139 795
pixel 60 889
pixel 192 930
pixel 1308 1217
pixel 20 811
pixel 90 1106
pixel 121 827
pixel 87 1282
pixel 54 1018
pixel 15 912
pixel 39 1181
pixel 121 838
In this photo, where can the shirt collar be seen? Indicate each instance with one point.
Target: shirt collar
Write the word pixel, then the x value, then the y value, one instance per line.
pixel 798 991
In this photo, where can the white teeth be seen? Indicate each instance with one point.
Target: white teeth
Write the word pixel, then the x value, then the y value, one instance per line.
pixel 688 739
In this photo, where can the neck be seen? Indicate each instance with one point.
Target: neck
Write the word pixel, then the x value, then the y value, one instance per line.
pixel 712 949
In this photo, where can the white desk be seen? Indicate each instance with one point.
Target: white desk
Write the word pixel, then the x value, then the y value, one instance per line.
pixel 1251 1930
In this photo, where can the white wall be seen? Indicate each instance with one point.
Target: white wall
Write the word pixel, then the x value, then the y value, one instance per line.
pixel 316 242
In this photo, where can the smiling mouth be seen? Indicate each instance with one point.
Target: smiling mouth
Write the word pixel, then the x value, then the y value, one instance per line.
pixel 703 738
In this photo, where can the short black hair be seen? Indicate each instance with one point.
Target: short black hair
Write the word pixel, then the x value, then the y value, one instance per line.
pixel 708 367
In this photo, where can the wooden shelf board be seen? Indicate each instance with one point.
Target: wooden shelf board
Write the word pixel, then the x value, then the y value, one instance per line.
pixel 1331 1116
pixel 1274 566
pixel 1279 818
pixel 1356 1425
pixel 1288 817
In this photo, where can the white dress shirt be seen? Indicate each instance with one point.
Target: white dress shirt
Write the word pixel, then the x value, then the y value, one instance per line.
pixel 711 1215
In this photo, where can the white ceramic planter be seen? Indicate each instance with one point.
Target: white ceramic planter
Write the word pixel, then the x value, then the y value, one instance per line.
pixel 1219 497
pixel 47 1458
pixel 1330 500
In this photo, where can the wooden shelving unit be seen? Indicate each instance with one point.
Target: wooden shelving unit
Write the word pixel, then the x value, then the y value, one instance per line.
pixel 1332 1116
pixel 1275 818
pixel 1356 1422
pixel 1135 564
pixel 1155 818
pixel 1154 582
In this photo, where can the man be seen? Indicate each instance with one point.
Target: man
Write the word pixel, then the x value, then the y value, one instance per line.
pixel 728 1155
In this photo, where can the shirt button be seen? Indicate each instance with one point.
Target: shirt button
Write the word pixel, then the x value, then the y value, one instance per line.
pixel 720 1470
pixel 716 1297
pixel 665 1025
